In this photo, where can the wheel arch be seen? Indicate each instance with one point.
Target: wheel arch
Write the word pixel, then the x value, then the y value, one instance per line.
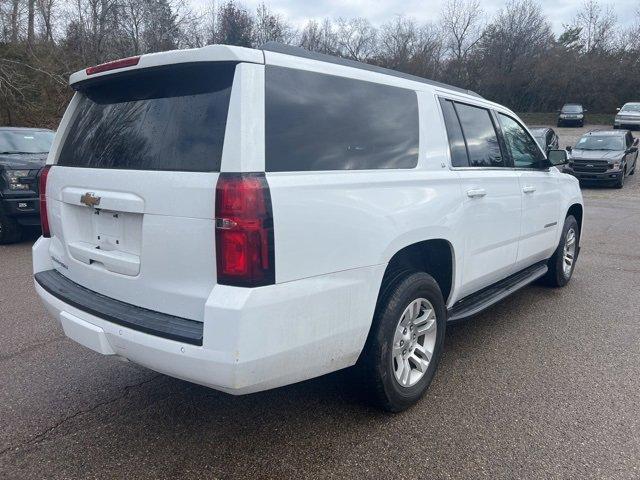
pixel 577 210
pixel 434 256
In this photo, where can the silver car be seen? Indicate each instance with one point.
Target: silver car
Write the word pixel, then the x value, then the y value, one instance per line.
pixel 628 116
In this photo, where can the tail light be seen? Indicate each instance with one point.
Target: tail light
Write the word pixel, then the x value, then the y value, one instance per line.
pixel 44 216
pixel 244 230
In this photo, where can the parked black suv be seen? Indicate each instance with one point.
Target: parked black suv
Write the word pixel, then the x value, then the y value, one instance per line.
pixel 23 152
pixel 571 114
pixel 604 156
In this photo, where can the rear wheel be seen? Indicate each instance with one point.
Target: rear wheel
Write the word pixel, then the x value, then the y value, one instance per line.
pixel 405 342
pixel 563 261
pixel 10 231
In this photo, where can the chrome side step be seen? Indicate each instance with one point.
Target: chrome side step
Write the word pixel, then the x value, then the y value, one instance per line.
pixel 478 301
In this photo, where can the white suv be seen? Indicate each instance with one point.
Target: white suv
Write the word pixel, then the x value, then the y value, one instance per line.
pixel 246 219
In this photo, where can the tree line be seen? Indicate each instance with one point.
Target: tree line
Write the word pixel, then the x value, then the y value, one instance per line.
pixel 513 58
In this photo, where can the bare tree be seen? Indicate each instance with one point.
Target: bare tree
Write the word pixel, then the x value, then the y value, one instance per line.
pixel 462 25
pixel 427 59
pixel 319 37
pixel 45 10
pixel 597 25
pixel 271 27
pixel 398 42
pixel 234 25
pixel 356 38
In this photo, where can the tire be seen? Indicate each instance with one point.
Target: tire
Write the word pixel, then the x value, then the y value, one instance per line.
pixel 557 276
pixel 581 124
pixel 10 231
pixel 400 299
pixel 616 127
pixel 620 182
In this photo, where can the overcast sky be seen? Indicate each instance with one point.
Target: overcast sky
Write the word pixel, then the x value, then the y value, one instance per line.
pixel 559 12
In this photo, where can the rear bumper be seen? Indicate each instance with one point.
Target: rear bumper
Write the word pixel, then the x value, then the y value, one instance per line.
pixel 253 339
pixel 570 121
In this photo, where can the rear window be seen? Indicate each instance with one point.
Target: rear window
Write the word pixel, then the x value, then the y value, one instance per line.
pixel 572 109
pixel 168 118
pixel 323 122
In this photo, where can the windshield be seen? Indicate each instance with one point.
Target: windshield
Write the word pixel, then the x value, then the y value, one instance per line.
pixel 572 109
pixel 631 107
pixel 17 141
pixel 602 142
pixel 540 139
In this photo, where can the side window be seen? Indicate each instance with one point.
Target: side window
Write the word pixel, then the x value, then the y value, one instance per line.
pixel 315 121
pixel 457 145
pixel 523 148
pixel 480 135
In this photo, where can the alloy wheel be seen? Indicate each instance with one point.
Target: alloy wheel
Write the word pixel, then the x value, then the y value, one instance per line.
pixel 569 252
pixel 414 342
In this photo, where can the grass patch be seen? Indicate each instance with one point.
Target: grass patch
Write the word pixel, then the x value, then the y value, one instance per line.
pixel 551 118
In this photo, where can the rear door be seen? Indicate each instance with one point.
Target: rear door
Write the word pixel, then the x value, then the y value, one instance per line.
pixel 491 195
pixel 131 194
pixel 540 190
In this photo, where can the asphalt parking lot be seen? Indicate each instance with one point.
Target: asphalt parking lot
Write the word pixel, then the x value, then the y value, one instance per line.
pixel 544 385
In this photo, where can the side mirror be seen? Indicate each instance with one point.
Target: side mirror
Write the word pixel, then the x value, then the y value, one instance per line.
pixel 633 149
pixel 569 148
pixel 585 110
pixel 557 157
pixel 618 109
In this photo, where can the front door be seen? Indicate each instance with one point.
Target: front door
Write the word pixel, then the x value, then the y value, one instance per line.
pixel 541 196
pixel 490 196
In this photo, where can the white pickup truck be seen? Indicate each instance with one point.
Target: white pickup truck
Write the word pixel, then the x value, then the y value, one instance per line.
pixel 246 219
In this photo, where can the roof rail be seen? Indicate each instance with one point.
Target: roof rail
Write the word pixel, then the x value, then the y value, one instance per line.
pixel 277 47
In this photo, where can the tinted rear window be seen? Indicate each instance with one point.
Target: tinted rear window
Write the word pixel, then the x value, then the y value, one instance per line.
pixel 323 122
pixel 170 118
pixel 572 109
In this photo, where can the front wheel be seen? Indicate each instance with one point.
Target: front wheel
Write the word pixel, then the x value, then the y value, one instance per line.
pixel 405 343
pixel 620 182
pixel 563 261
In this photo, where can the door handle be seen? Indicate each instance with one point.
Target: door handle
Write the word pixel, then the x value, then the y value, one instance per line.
pixel 529 189
pixel 476 192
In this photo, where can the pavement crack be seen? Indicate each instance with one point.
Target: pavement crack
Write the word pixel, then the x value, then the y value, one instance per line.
pixel 45 433
pixel 31 347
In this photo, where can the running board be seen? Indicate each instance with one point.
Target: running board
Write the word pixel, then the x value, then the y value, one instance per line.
pixel 477 302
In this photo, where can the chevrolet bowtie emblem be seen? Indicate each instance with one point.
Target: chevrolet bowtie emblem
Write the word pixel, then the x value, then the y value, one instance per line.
pixel 90 200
